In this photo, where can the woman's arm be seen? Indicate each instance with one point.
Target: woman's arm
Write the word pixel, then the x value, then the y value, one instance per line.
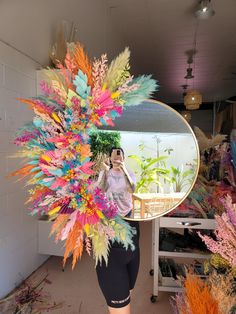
pixel 130 183
pixel 102 178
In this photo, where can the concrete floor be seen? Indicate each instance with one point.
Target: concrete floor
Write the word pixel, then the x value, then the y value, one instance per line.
pixel 79 289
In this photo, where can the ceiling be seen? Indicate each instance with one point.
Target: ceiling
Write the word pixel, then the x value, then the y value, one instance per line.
pixel 158 32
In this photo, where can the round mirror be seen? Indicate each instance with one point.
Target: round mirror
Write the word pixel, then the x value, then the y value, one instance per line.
pixel 161 150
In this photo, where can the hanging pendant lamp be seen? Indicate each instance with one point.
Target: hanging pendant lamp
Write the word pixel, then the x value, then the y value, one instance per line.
pixel 192 100
pixel 186 115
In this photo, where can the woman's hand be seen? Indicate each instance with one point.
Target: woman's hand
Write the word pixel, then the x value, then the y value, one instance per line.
pixel 105 165
pixel 123 167
pixel 120 164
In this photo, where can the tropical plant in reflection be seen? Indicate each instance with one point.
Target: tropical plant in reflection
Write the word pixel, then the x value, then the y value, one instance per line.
pixel 181 178
pixel 150 170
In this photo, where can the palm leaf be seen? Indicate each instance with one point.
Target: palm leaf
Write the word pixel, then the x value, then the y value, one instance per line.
pixel 136 158
pixel 156 160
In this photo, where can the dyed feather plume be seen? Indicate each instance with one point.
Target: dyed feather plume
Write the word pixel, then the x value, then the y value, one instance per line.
pixel 78 97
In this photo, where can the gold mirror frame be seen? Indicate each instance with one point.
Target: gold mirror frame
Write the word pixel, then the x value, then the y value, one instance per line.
pixel 178 115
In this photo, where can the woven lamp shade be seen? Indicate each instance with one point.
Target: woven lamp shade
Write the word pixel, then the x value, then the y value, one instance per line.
pixel 187 115
pixel 192 100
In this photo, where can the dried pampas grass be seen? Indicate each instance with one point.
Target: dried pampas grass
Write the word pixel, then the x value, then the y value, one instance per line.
pixel 221 289
pixel 204 142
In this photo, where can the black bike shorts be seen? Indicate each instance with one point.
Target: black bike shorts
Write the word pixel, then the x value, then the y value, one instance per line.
pixel 119 276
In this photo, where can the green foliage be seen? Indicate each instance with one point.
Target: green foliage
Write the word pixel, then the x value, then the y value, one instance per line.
pixel 149 171
pixel 180 178
pixel 103 141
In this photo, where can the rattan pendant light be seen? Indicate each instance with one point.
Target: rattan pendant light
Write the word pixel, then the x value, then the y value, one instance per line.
pixel 192 100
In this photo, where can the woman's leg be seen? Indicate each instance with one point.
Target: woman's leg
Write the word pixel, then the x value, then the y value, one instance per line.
pixel 122 310
pixel 114 281
pixel 133 268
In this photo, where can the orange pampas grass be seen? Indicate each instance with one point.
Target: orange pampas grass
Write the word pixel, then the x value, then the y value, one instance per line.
pixel 35 105
pixel 199 297
pixel 196 298
pixel 74 244
pixel 58 224
pixel 23 172
pixel 83 63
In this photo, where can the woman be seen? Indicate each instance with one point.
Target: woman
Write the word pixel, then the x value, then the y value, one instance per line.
pixel 117 279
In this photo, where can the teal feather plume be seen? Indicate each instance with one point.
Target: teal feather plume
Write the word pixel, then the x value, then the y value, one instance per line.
pixel 33 162
pixel 103 121
pixel 126 238
pixel 81 83
pixel 147 86
pixel 38 175
pixel 37 122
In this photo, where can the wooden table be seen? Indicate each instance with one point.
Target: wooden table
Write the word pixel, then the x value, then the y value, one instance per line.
pixel 145 198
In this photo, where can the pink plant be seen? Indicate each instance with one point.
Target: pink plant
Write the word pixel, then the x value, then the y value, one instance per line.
pixel 99 72
pixel 225 232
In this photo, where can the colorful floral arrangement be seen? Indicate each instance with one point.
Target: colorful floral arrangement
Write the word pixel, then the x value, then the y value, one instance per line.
pixel 77 98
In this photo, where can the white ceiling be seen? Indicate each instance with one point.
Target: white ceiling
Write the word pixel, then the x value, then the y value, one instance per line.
pixel 158 32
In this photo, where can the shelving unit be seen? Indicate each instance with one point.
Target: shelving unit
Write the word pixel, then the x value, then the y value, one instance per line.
pixel 173 222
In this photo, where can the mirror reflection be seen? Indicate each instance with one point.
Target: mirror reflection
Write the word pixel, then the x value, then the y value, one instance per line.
pixel 156 150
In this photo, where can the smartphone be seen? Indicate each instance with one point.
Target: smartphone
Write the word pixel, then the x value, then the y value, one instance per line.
pixel 118 152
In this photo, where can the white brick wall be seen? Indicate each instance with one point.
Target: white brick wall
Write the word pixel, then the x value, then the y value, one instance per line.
pixel 18 230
